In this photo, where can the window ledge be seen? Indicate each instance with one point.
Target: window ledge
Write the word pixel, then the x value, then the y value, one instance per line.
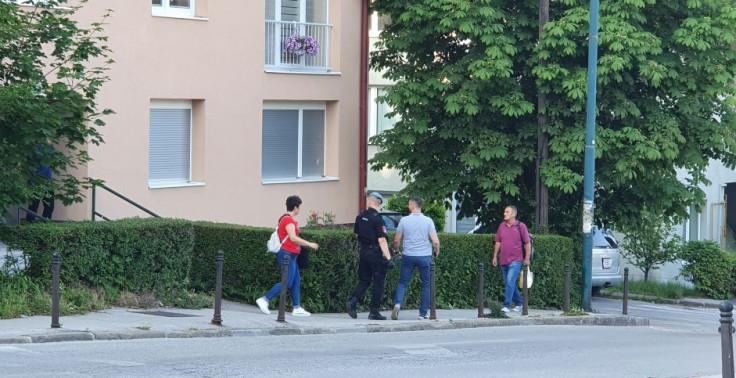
pixel 299 180
pixel 170 184
pixel 192 18
pixel 293 71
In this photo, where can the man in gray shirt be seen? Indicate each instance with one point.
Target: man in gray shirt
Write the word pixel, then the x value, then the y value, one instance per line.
pixel 417 231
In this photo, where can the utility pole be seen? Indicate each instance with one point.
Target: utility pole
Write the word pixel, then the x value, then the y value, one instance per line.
pixel 542 194
pixel 589 178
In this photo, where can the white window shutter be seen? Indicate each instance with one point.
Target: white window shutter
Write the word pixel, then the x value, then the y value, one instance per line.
pixel 169 145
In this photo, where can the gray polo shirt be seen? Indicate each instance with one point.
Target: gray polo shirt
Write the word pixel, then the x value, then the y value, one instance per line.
pixel 416 229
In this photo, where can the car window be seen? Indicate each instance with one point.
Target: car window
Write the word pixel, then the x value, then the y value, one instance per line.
pixel 599 240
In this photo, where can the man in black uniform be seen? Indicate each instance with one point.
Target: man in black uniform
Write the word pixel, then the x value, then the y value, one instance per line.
pixel 374 257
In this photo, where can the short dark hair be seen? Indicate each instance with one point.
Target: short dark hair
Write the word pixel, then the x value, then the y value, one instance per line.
pixel 293 202
pixel 417 201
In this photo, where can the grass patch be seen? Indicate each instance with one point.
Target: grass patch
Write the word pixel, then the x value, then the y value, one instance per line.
pixel 496 312
pixel 575 312
pixel 21 295
pixel 143 328
pixel 666 290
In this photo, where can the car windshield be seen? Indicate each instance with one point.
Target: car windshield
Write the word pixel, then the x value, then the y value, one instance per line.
pixel 600 240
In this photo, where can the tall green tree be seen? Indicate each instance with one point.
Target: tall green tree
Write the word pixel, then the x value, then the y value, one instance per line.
pixel 51 70
pixel 467 76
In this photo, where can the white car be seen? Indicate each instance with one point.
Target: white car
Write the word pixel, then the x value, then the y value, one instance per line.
pixel 606 260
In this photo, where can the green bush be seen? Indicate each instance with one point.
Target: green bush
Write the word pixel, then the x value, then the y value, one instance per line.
pixel 168 257
pixel 22 295
pixel 139 255
pixel 250 270
pixel 709 268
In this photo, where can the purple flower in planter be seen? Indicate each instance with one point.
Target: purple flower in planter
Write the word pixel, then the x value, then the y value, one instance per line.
pixel 300 45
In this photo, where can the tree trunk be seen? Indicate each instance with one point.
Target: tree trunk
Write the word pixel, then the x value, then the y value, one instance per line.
pixel 646 274
pixel 542 194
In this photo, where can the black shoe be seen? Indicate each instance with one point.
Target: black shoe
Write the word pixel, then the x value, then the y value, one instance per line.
pixel 351 308
pixel 375 315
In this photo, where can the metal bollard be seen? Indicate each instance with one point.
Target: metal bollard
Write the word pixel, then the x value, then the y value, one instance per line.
pixel 525 309
pixel 726 329
pixel 481 290
pixel 282 297
pixel 217 318
pixel 625 310
pixel 568 280
pixel 433 281
pixel 55 270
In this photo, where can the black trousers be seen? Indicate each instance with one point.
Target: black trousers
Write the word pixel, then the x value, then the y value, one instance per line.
pixel 48 208
pixel 371 269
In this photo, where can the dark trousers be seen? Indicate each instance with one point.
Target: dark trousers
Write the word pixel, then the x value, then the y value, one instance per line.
pixel 48 208
pixel 371 269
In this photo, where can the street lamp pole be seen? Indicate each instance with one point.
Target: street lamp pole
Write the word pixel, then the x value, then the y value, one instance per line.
pixel 589 182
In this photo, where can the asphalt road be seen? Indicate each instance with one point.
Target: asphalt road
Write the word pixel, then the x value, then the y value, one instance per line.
pixel 669 317
pixel 533 351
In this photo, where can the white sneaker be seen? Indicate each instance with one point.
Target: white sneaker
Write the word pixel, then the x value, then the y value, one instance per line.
pixel 505 310
pixel 517 308
pixel 262 303
pixel 299 311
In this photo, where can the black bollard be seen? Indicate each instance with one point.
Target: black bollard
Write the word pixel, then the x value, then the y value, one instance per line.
pixel 282 297
pixel 55 270
pixel 625 310
pixel 525 309
pixel 481 290
pixel 726 329
pixel 433 281
pixel 217 318
pixel 568 280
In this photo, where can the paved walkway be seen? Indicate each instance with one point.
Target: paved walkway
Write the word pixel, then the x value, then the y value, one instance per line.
pixel 688 302
pixel 246 320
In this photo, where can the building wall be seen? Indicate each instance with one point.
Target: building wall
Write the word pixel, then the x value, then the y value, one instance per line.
pixel 218 62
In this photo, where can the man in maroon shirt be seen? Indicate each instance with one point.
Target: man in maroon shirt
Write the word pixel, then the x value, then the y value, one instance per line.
pixel 512 240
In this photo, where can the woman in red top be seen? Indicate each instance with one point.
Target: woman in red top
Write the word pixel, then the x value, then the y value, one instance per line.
pixel 289 251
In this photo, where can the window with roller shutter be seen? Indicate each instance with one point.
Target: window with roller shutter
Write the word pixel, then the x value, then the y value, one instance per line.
pixel 170 141
pixel 293 142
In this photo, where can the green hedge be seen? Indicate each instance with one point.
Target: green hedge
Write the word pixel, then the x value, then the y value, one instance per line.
pixel 710 269
pixel 151 255
pixel 160 255
pixel 250 270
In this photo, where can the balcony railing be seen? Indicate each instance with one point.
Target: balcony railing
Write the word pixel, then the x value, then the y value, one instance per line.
pixel 278 56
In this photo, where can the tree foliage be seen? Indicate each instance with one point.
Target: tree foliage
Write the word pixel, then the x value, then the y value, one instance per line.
pixel 650 244
pixel 468 73
pixel 51 70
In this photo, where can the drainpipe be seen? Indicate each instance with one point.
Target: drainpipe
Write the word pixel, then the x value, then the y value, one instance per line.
pixel 363 109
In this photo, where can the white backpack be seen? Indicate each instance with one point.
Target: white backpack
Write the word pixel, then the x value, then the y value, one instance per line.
pixel 274 243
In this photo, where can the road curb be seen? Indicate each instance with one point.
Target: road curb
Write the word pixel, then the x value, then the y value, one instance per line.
pixel 289 330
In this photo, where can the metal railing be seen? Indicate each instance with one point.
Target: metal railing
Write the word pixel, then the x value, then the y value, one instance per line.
pixel 277 56
pixel 31 212
pixel 95 213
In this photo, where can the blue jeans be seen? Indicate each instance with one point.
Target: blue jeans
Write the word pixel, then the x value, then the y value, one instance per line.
pixel 511 278
pixel 293 282
pixel 408 263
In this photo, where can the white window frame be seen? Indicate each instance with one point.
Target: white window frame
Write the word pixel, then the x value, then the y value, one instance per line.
pixel 281 68
pixel 300 107
pixel 175 104
pixel 166 10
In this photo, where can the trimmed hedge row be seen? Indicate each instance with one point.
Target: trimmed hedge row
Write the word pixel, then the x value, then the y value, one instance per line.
pixel 250 270
pixel 158 255
pixel 138 255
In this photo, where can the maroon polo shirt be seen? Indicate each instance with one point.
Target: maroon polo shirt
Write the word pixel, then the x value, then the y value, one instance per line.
pixel 512 239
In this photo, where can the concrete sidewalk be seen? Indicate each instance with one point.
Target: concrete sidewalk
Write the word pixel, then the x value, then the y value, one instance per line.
pixel 245 320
